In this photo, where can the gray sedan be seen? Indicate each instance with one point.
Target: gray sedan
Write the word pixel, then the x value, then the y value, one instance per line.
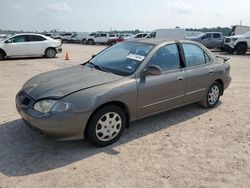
pixel 123 83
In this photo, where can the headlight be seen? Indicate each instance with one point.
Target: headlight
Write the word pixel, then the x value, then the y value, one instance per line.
pixel 60 106
pixel 47 105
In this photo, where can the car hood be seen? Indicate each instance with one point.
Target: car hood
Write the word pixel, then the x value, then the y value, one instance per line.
pixel 59 83
pixel 193 38
pixel 237 36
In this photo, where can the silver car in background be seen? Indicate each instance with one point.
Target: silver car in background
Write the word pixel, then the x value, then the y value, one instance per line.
pixel 123 83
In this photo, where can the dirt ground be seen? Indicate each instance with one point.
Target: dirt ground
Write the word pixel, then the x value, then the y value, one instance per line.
pixel 185 147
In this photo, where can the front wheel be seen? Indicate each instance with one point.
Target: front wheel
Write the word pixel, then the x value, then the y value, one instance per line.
pixel 241 49
pixel 106 126
pixel 50 53
pixel 2 55
pixel 213 95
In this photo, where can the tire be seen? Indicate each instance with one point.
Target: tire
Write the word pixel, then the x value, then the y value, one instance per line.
pixel 50 53
pixel 241 49
pixel 91 42
pixel 230 50
pixel 213 95
pixel 106 126
pixel 2 55
pixel 83 41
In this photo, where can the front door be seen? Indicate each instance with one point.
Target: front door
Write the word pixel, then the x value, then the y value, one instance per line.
pixel 161 92
pixel 18 46
pixel 207 40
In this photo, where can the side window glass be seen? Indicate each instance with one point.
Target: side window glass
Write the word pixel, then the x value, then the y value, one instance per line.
pixel 167 58
pixel 20 38
pixel 194 55
pixel 209 35
pixel 216 35
pixel 35 38
pixel 152 35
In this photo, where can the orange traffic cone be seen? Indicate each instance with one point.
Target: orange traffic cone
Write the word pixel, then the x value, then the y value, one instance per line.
pixel 67 56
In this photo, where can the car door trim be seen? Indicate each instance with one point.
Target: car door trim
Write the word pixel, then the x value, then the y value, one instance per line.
pixel 162 101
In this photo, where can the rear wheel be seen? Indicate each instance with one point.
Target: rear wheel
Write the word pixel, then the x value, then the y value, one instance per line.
pixel 241 49
pixel 83 41
pixel 50 53
pixel 213 95
pixel 91 42
pixel 106 126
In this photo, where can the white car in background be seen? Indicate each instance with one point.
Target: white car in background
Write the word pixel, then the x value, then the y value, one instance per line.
pixel 23 45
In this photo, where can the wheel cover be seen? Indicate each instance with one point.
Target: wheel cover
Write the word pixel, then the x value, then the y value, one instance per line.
pixel 213 94
pixel 51 53
pixel 108 126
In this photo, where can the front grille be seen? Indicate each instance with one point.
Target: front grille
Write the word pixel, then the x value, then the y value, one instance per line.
pixel 227 40
pixel 25 99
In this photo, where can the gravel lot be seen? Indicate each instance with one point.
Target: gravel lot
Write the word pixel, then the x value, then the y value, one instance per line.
pixel 186 147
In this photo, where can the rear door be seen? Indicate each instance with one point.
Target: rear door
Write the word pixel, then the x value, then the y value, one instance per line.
pixel 161 92
pixel 199 71
pixel 18 46
pixel 217 40
pixel 38 44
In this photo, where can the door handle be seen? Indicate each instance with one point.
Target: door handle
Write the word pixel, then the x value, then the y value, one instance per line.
pixel 211 72
pixel 179 79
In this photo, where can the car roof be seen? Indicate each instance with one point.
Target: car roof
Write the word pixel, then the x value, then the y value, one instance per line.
pixel 150 41
pixel 158 41
pixel 28 34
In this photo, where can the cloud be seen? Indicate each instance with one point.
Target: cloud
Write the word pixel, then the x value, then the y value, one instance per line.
pixel 181 7
pixel 128 3
pixel 17 7
pixel 55 8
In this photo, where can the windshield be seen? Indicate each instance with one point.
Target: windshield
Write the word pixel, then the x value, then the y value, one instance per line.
pixel 122 59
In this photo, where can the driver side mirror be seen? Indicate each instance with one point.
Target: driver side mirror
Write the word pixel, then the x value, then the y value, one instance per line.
pixel 8 41
pixel 151 70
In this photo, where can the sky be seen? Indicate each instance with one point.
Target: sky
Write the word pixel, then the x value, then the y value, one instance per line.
pixel 106 15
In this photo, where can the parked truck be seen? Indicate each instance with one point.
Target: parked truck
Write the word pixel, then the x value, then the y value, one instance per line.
pixel 78 36
pixel 210 39
pixel 239 30
pixel 237 43
pixel 173 34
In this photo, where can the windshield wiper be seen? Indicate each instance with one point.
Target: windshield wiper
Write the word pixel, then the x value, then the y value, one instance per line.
pixel 96 66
